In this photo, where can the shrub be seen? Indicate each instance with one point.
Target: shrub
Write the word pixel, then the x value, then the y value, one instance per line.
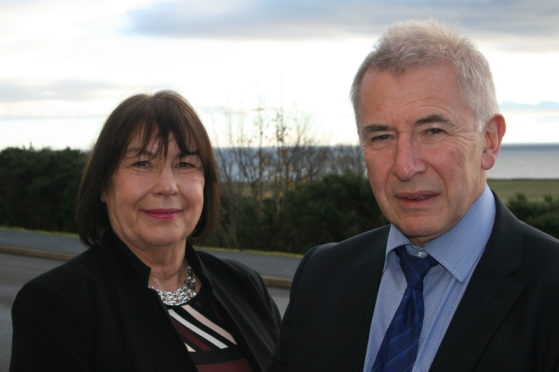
pixel 543 215
pixel 38 188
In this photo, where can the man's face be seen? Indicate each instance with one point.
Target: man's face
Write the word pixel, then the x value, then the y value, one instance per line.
pixel 425 159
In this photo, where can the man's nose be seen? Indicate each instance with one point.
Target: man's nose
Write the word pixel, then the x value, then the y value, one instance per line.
pixel 407 160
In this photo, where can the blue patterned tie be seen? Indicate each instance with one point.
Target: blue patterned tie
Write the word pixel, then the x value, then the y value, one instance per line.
pixel 398 350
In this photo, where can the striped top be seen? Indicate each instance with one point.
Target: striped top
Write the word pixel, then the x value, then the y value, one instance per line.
pixel 203 328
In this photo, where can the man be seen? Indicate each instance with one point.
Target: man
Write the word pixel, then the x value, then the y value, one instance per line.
pixel 455 282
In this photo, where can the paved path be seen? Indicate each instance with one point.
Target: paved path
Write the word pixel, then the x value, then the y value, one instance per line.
pixel 14 272
pixel 277 270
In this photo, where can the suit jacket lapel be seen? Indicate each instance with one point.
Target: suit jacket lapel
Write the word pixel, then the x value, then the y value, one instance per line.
pixel 239 316
pixel 488 298
pixel 356 306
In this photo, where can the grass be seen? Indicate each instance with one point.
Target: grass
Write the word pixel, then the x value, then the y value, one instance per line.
pixel 534 189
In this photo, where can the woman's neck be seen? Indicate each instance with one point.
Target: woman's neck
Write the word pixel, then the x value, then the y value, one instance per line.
pixel 167 265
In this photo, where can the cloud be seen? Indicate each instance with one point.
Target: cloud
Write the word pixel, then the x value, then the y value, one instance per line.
pixel 72 90
pixel 14 2
pixel 540 106
pixel 296 19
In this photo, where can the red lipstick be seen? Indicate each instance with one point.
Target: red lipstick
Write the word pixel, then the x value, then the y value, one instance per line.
pixel 163 214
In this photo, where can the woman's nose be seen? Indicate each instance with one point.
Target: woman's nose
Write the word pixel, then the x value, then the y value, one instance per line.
pixel 166 182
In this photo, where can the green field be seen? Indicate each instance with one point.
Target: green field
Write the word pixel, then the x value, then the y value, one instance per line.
pixel 534 189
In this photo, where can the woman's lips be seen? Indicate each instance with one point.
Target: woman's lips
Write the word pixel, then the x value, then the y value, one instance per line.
pixel 162 214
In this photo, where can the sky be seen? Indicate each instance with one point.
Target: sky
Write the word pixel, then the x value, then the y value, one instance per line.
pixel 66 64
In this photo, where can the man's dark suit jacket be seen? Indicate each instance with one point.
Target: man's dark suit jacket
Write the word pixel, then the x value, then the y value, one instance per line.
pixel 508 319
pixel 96 313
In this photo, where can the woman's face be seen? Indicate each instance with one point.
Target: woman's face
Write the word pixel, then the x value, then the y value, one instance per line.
pixel 155 201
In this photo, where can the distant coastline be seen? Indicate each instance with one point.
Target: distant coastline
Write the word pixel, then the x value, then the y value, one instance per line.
pixel 516 161
pixel 527 161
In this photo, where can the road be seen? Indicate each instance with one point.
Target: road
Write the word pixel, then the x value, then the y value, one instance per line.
pixel 15 270
pixel 277 270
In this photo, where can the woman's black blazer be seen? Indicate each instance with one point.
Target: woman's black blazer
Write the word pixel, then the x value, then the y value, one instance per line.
pixel 96 313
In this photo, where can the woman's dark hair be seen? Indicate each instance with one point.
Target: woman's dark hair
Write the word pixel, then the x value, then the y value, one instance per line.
pixel 154 117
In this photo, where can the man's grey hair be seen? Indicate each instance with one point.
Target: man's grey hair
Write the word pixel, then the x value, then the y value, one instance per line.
pixel 414 44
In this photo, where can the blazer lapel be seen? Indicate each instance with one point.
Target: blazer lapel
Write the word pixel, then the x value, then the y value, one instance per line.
pixel 489 297
pixel 240 314
pixel 356 306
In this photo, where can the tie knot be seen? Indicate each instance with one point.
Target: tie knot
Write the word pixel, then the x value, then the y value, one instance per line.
pixel 414 268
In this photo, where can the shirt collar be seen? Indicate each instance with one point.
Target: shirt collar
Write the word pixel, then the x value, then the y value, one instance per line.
pixel 459 249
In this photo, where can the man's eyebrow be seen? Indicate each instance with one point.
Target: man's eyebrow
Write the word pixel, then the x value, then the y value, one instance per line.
pixel 435 118
pixel 376 127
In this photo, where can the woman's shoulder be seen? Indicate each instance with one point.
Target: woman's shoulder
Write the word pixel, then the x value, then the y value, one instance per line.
pixel 74 277
pixel 234 282
pixel 226 267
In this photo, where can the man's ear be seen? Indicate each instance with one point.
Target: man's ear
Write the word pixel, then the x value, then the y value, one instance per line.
pixel 493 134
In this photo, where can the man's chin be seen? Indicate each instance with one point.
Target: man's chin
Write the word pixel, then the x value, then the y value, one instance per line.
pixel 419 235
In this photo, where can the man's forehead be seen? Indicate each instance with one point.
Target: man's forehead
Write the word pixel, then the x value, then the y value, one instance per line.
pixel 425 91
pixel 423 75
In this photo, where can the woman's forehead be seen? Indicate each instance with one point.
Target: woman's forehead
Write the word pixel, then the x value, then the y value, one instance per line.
pixel 154 144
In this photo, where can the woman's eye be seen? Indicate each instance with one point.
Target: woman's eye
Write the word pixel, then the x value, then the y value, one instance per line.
pixel 141 164
pixel 189 162
pixel 185 165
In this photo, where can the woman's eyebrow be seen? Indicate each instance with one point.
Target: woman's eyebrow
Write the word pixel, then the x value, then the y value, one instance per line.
pixel 188 153
pixel 138 151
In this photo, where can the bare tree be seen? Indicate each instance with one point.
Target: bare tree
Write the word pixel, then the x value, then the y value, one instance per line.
pixel 271 152
pixel 346 159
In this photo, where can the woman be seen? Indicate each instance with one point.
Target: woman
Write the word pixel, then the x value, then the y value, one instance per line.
pixel 141 298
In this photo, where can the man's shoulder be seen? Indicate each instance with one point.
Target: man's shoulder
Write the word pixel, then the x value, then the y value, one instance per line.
pixel 538 237
pixel 536 249
pixel 376 237
pixel 541 249
pixel 355 248
pixel 507 224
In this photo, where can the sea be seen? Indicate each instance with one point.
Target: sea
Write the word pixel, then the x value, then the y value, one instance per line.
pixel 527 161
pixel 515 161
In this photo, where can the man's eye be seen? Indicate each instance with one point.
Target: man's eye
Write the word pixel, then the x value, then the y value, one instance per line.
pixel 383 137
pixel 435 131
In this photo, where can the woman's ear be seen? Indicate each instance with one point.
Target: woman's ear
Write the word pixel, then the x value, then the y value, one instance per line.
pixel 493 134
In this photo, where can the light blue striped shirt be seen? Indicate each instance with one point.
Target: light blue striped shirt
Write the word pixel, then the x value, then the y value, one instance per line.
pixel 458 252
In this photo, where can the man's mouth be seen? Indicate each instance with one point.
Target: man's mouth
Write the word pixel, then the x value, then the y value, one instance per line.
pixel 416 196
pixel 421 197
